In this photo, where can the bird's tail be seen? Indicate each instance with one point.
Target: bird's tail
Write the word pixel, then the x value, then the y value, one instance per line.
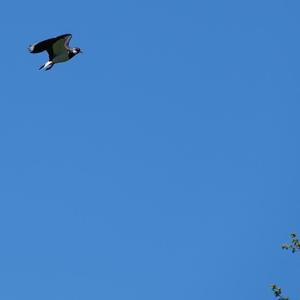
pixel 47 66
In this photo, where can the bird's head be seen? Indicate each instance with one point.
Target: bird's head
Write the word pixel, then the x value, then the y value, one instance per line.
pixel 77 50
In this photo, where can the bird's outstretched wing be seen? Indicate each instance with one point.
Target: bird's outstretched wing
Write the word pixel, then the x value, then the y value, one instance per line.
pixel 61 43
pixel 52 46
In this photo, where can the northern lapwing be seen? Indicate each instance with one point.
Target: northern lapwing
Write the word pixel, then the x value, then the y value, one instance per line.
pixel 58 50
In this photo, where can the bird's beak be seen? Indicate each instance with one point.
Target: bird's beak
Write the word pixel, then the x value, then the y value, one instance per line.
pixel 80 51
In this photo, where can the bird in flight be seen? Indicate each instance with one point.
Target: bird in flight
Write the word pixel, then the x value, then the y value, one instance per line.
pixel 58 50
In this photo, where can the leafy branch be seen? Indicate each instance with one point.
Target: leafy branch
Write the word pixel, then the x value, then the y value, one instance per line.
pixel 278 293
pixel 294 246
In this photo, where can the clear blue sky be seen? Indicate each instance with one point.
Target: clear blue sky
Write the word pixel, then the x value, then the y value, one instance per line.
pixel 163 163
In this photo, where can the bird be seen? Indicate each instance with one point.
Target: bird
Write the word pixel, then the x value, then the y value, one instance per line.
pixel 58 50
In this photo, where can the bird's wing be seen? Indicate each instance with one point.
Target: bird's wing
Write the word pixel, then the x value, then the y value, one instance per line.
pixel 67 39
pixel 52 46
pixel 42 46
pixel 61 43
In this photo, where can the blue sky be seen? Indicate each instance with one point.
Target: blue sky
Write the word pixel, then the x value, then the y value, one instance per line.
pixel 163 163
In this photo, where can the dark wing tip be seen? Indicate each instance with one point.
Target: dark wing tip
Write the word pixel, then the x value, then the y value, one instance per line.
pixel 63 36
pixel 31 48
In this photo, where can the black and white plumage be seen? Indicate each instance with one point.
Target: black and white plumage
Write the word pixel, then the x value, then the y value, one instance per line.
pixel 58 50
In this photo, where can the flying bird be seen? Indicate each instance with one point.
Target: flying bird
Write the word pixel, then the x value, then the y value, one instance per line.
pixel 58 50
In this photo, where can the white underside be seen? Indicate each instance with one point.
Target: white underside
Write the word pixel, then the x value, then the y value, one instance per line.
pixel 47 64
pixel 57 59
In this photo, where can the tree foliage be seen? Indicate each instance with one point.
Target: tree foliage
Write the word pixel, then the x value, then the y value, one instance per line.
pixel 278 293
pixel 293 246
